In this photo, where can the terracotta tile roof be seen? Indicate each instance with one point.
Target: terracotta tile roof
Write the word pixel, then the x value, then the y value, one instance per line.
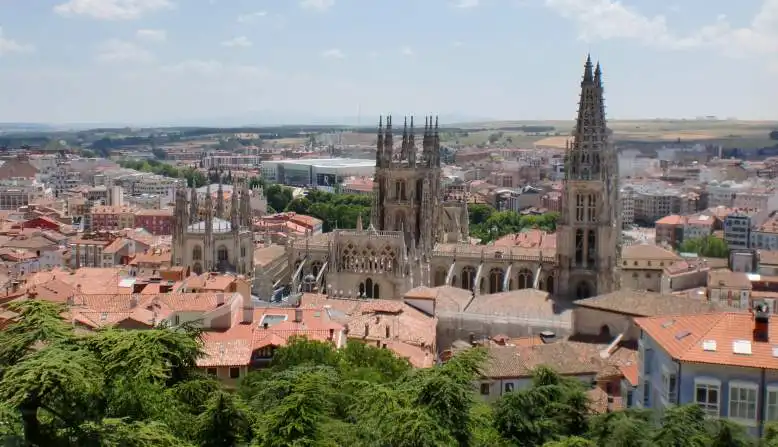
pixel 641 303
pixel 232 347
pixel 686 337
pixel 383 322
pixel 673 219
pixel 566 357
pixel 630 372
pixel 647 252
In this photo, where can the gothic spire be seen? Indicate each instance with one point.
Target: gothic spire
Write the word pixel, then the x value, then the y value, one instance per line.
pixel 591 134
pixel 598 75
pixel 194 209
pixel 234 207
pixel 388 139
pixel 588 77
pixel 379 151
pixel 220 200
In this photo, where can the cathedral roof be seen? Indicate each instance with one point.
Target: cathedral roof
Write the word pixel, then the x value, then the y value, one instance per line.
pixel 219 226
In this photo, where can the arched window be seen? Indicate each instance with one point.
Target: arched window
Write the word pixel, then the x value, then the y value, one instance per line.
pixel 579 207
pixel 440 276
pixel 550 284
pixel 361 290
pixel 198 268
pixel 197 253
pixel 525 278
pixel 579 247
pixel 468 276
pixel 591 214
pixel 376 291
pixel 496 276
pixel 222 254
pixel 315 268
pixel 369 288
pixel 583 290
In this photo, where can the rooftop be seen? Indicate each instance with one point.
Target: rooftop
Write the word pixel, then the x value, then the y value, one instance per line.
pixel 327 162
pixel 717 338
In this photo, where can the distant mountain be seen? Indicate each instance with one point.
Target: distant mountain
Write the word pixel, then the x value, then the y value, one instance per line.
pixel 249 119
pixel 25 127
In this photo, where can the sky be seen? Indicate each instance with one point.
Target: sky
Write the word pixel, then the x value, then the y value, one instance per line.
pixel 253 61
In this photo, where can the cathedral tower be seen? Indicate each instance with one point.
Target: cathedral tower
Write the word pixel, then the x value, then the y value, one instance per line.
pixel 407 184
pixel 589 231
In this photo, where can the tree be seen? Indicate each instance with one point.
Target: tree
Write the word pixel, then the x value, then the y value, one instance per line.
pixel 774 135
pixel 709 246
pixel 223 423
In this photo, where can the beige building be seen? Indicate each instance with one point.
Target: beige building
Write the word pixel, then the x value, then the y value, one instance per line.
pixel 643 264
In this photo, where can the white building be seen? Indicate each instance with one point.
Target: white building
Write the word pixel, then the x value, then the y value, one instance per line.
pixel 322 172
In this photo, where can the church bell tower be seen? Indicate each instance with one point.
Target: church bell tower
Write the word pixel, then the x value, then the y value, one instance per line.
pixel 589 231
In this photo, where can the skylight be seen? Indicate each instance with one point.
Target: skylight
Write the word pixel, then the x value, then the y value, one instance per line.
pixel 709 345
pixel 667 324
pixel 775 351
pixel 741 347
pixel 683 334
pixel 271 320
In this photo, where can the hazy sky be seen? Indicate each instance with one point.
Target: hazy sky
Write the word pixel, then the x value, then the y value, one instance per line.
pixel 150 60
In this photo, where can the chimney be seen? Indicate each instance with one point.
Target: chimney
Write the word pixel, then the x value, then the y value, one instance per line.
pixel 265 325
pixel 761 324
pixel 298 315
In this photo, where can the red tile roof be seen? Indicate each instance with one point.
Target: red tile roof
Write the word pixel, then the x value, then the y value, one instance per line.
pixel 712 338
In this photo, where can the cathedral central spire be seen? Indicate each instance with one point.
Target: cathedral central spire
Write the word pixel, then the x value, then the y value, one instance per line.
pixel 589 230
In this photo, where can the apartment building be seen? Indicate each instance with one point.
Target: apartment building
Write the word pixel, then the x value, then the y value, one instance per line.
pixel 112 217
pixel 724 193
pixel 757 198
pixel 87 251
pixel 764 236
pixel 698 226
pixel 627 198
pixel 670 230
pixel 654 201
pixel 738 225
pixel 230 161
pixel 155 221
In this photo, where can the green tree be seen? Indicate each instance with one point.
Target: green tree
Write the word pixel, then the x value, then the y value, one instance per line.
pixel 708 246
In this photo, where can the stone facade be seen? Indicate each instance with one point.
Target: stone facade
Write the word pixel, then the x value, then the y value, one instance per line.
pixel 418 238
pixel 220 242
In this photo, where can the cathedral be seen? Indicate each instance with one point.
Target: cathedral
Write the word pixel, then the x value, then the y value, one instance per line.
pixel 219 241
pixel 416 237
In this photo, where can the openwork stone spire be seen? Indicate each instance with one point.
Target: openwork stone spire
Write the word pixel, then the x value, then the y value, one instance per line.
pixel 586 155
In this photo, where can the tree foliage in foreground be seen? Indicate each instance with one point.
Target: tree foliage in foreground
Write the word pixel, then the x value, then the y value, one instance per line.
pixel 117 388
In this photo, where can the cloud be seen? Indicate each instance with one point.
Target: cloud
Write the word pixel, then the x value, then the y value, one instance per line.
pixel 610 19
pixel 8 46
pixel 251 16
pixel 151 35
pixel 213 68
pixel 317 5
pixel 407 51
pixel 457 44
pixel 118 51
pixel 238 42
pixel 333 53
pixel 464 4
pixel 111 9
